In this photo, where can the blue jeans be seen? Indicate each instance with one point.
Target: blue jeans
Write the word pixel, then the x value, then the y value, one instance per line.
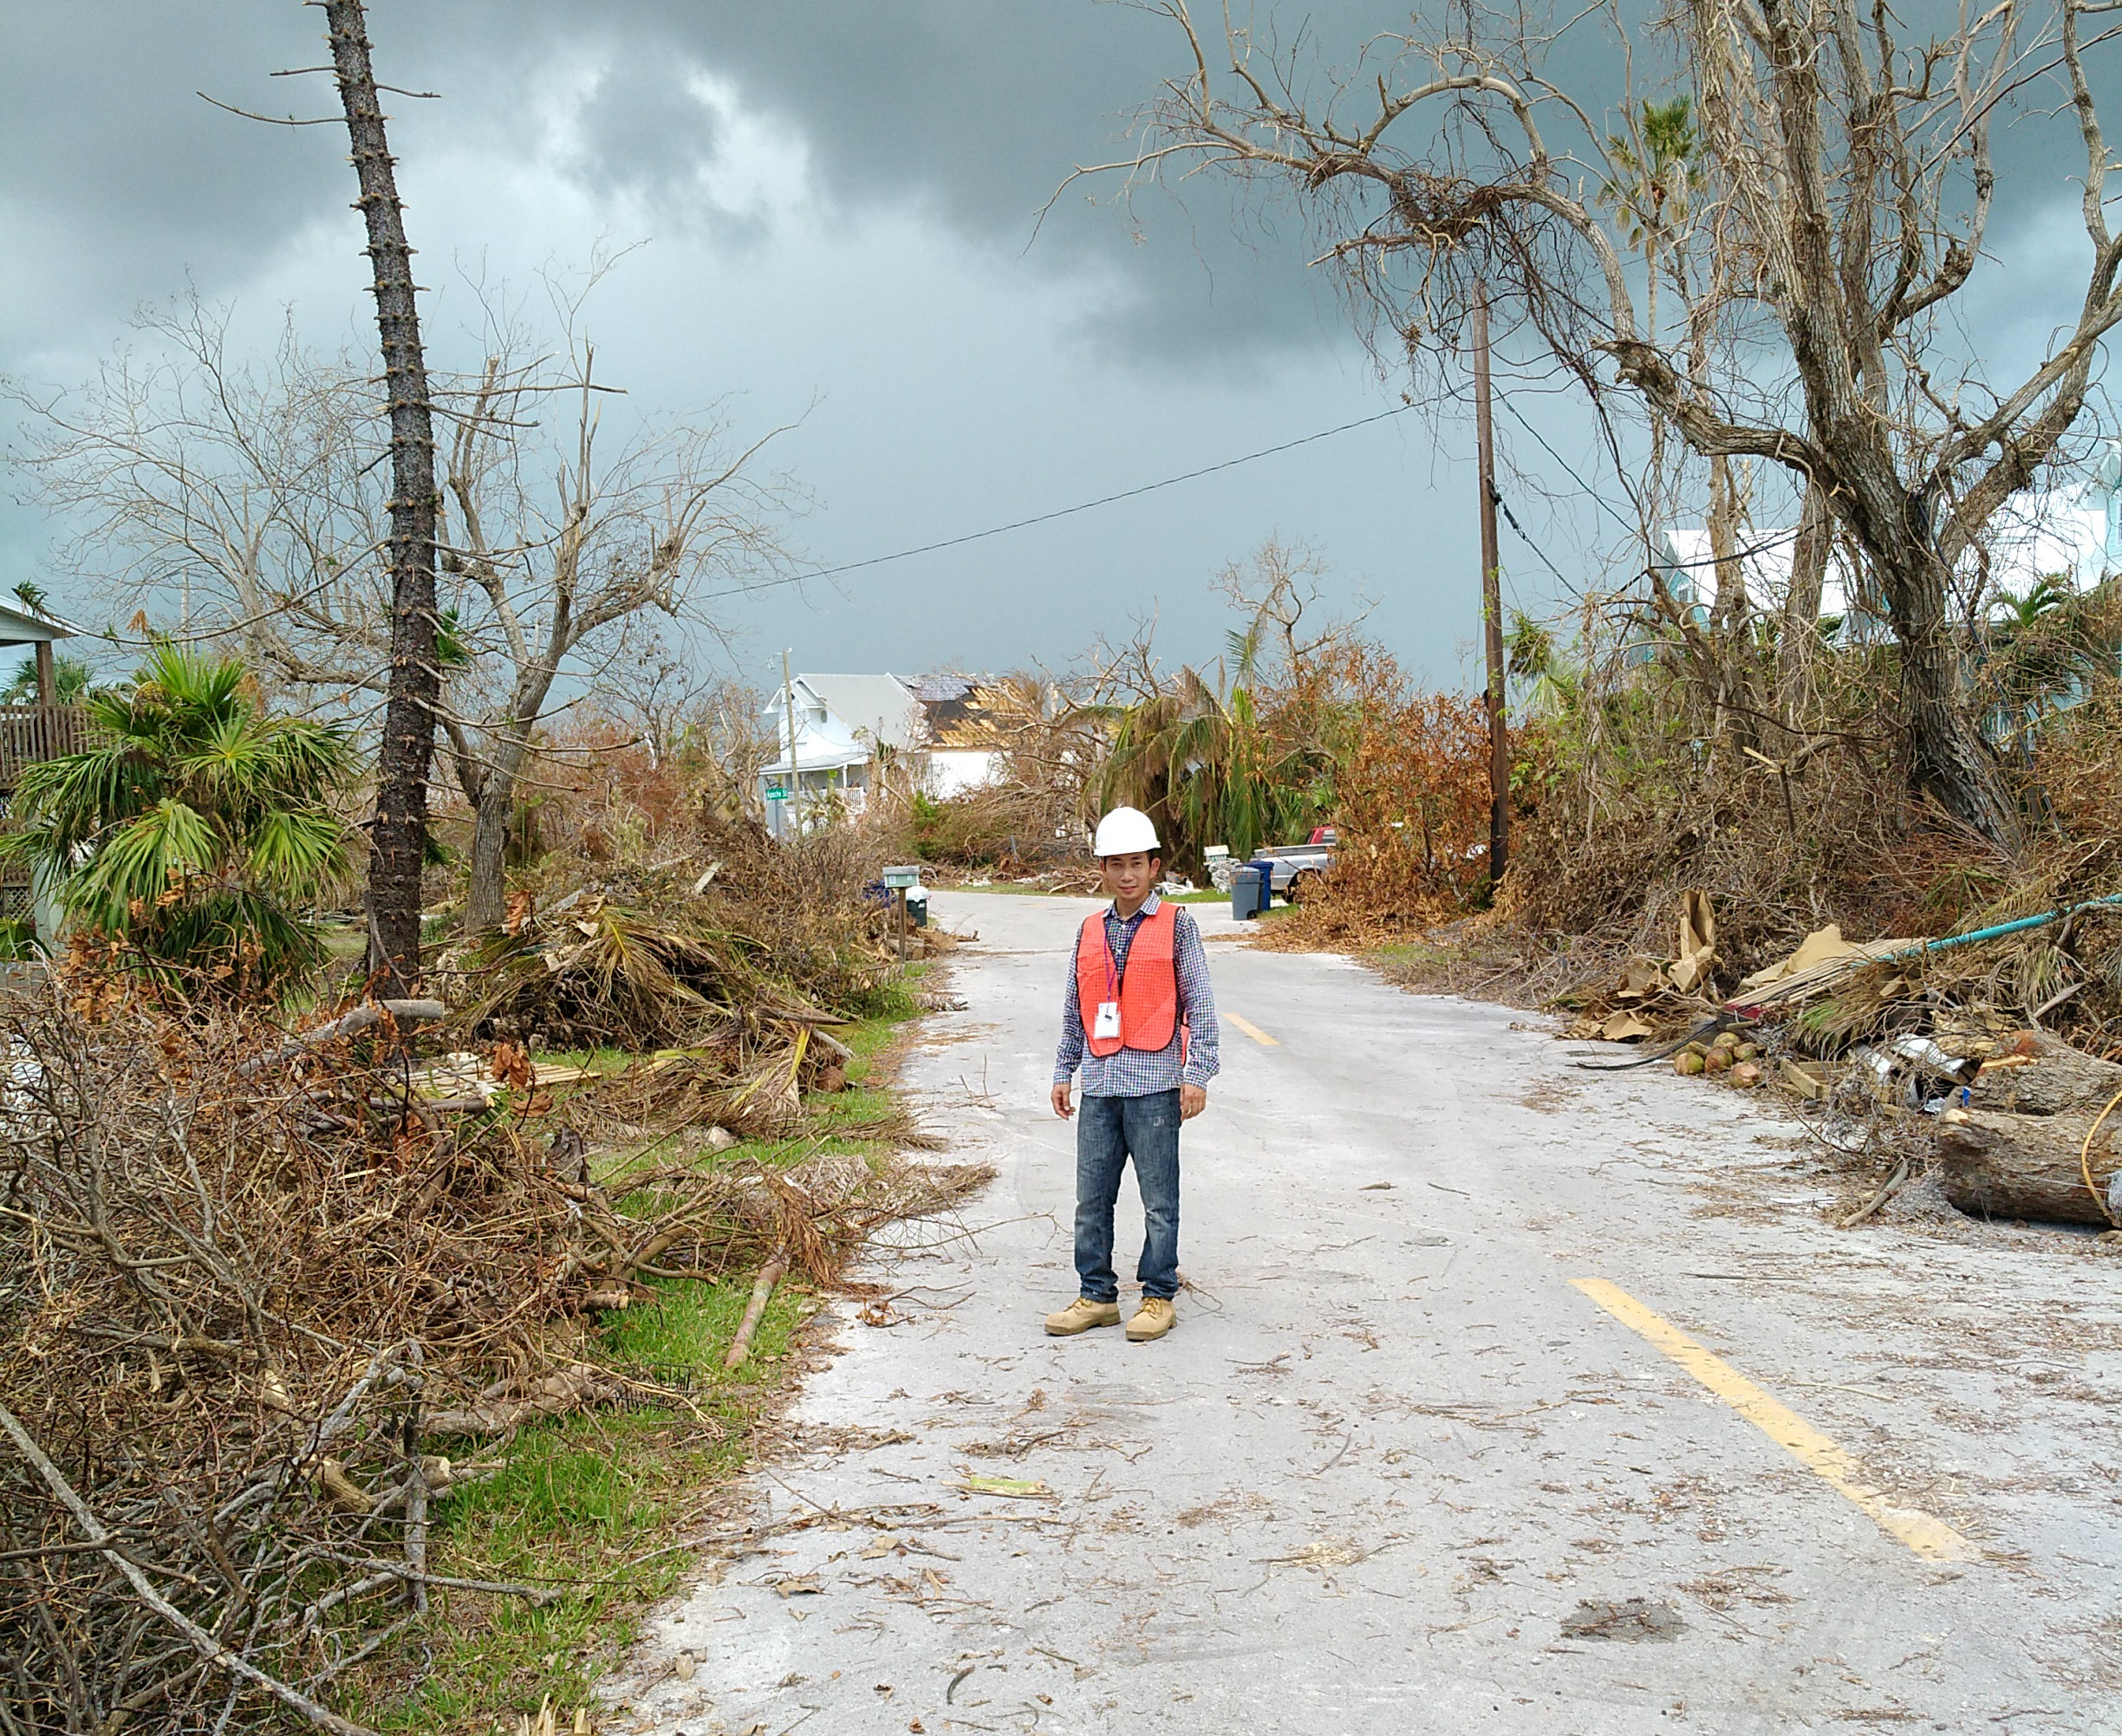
pixel 1108 1131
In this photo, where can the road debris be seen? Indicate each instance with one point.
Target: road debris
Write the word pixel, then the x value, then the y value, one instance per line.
pixel 1015 1488
pixel 1902 1041
pixel 1633 1619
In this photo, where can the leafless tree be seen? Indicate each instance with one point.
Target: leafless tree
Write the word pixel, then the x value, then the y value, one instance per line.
pixel 248 492
pixel 1841 195
pixel 553 550
pixel 1277 591
pixel 688 715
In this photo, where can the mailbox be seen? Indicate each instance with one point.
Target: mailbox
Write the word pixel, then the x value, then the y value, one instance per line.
pixel 898 879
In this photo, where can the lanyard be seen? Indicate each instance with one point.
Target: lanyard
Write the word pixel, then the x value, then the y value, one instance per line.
pixel 1116 973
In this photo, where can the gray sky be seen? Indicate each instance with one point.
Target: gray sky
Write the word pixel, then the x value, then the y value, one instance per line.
pixel 832 212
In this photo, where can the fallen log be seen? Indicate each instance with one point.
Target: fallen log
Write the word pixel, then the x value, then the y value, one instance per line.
pixel 1998 1165
pixel 501 1408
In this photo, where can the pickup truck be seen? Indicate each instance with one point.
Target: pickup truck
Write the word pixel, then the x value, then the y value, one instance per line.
pixel 1296 870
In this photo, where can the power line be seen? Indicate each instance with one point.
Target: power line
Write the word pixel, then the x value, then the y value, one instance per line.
pixel 1633 529
pixel 1762 548
pixel 1512 518
pixel 1064 512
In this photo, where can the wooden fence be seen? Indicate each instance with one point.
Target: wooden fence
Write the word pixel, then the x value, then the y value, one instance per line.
pixel 29 734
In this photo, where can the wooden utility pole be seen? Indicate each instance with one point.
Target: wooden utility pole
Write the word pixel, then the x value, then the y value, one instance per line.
pixel 788 695
pixel 1492 603
pixel 398 845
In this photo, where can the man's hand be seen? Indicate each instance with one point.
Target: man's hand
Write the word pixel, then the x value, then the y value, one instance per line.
pixel 1192 1099
pixel 1061 1104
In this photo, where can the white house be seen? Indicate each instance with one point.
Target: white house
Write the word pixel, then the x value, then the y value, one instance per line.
pixel 849 729
pixel 964 747
pixel 2074 531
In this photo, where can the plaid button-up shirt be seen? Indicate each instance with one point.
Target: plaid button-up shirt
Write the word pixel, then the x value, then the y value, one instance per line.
pixel 1136 1072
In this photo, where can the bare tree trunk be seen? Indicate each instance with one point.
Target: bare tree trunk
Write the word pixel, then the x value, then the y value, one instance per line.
pixel 1947 754
pixel 1726 514
pixel 485 898
pixel 489 785
pixel 1801 602
pixel 1735 696
pixel 398 839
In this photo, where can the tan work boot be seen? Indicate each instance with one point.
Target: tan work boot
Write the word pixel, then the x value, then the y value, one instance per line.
pixel 1152 1320
pixel 1081 1315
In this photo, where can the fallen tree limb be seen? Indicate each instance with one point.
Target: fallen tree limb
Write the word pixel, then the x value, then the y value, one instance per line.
pixel 755 1311
pixel 1894 1184
pixel 554 1395
pixel 499 1588
pixel 346 1025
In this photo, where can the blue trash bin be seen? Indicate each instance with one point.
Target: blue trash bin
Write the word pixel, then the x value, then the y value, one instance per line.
pixel 1248 892
pixel 1264 868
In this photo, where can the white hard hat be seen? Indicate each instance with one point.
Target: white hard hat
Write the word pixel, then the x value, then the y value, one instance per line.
pixel 1124 831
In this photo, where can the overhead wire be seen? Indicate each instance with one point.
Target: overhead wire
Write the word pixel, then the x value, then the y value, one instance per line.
pixel 1061 513
pixel 1747 554
pixel 1503 506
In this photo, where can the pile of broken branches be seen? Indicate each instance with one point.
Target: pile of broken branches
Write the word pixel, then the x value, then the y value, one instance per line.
pixel 254 1296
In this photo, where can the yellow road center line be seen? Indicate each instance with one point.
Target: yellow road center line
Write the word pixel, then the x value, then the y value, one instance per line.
pixel 1253 1030
pixel 1932 1538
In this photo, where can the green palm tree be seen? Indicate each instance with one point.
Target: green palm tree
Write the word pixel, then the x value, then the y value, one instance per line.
pixel 71 680
pixel 2038 646
pixel 194 830
pixel 1204 762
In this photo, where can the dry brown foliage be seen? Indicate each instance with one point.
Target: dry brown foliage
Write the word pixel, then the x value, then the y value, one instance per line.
pixel 1627 799
pixel 1411 805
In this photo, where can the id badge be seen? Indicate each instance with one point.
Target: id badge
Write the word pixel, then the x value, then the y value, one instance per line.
pixel 1106 1026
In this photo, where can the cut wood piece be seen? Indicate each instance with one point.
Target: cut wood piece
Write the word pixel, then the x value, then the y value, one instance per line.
pixel 755 1311
pixel 2056 1080
pixel 2027 1167
pixel 547 1075
pixel 1807 1079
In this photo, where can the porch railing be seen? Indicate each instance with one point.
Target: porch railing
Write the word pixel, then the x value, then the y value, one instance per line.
pixel 29 734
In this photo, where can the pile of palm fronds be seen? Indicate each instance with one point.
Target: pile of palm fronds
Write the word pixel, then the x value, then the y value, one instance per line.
pixel 736 1045
pixel 594 973
pixel 255 1296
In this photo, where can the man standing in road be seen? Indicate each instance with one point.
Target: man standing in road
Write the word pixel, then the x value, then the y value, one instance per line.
pixel 1142 975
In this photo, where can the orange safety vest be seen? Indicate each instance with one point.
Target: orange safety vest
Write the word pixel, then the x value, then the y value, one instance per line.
pixel 1147 990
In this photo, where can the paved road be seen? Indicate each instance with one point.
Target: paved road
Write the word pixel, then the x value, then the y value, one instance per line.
pixel 1395 1470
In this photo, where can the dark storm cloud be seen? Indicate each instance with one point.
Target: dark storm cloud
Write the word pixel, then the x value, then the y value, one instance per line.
pixel 119 170
pixel 977 109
